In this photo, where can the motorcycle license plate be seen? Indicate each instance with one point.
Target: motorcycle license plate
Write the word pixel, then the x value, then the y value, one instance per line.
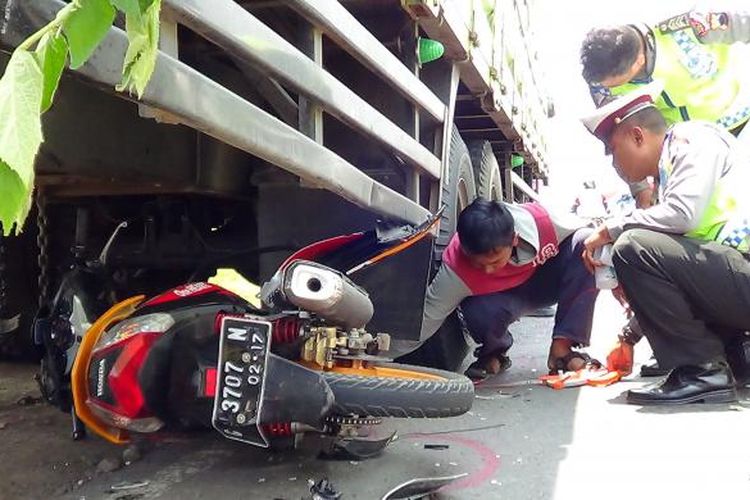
pixel 243 355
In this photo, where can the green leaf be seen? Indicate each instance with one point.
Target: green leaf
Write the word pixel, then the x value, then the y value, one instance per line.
pixel 51 54
pixel 16 201
pixel 128 6
pixel 132 6
pixel 145 4
pixel 140 59
pixel 21 90
pixel 86 27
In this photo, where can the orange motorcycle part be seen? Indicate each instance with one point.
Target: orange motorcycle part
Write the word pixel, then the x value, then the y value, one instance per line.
pixel 80 373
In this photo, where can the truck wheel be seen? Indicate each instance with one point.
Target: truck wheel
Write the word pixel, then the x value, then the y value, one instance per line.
pixel 393 390
pixel 486 171
pixel 18 284
pixel 448 347
pixel 458 192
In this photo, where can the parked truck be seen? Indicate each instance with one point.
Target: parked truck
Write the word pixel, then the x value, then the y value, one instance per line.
pixel 268 124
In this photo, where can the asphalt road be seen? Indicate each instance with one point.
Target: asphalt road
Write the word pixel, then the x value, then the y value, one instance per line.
pixel 520 441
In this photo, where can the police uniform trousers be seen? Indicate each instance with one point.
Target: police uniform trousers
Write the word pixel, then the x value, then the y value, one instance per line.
pixel 691 297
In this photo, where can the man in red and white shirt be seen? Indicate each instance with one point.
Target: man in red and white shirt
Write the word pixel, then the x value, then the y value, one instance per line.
pixel 505 261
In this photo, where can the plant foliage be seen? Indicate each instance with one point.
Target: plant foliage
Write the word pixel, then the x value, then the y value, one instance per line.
pixel 31 78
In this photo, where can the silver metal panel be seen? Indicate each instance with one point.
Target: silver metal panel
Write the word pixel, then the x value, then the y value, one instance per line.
pixel 243 35
pixel 336 22
pixel 205 105
pixel 465 34
pixel 310 112
pixel 523 186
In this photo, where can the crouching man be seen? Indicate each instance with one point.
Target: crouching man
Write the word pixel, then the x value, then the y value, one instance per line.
pixel 683 263
pixel 506 261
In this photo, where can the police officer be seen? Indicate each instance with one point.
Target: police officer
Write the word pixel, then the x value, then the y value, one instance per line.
pixel 701 60
pixel 683 262
pixel 695 56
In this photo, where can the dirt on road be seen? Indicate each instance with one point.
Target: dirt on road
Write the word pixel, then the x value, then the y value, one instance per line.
pixel 39 458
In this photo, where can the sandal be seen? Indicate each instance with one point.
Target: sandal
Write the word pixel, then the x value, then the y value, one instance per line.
pixel 561 364
pixel 488 365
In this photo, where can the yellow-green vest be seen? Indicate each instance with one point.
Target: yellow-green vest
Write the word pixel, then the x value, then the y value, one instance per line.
pixel 701 81
pixel 726 218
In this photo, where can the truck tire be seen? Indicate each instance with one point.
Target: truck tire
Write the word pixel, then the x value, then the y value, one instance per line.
pixel 19 283
pixel 405 392
pixel 486 171
pixel 458 192
pixel 448 347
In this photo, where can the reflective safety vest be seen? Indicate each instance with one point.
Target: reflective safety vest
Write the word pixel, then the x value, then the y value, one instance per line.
pixel 726 218
pixel 701 81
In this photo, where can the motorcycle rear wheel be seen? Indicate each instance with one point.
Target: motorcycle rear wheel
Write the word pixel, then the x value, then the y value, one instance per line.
pixel 401 391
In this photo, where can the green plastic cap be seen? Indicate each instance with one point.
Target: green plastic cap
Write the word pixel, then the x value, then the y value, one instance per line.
pixel 430 50
pixel 516 160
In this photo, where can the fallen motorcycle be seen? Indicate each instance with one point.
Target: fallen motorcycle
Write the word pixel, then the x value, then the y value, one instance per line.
pixel 200 356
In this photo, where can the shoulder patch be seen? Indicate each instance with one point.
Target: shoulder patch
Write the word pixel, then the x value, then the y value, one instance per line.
pixel 704 22
pixel 675 23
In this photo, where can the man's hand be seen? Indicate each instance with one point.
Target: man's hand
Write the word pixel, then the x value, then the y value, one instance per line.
pixel 598 238
pixel 620 358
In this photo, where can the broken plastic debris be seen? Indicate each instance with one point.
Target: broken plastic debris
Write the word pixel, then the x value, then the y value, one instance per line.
pixel 323 490
pixel 354 462
pixel 419 487
pixel 293 478
pixel 436 446
pixel 261 479
pixel 28 401
pixel 128 486
pixel 454 464
pixel 502 394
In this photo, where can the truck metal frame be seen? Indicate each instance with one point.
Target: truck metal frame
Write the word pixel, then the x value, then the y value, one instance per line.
pixel 330 92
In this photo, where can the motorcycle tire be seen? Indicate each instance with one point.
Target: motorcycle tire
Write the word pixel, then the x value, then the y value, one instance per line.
pixel 401 391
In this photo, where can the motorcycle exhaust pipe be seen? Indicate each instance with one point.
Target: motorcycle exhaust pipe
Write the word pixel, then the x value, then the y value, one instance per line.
pixel 327 293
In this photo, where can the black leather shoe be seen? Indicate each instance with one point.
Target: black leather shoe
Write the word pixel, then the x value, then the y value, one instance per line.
pixel 738 357
pixel 707 383
pixel 651 368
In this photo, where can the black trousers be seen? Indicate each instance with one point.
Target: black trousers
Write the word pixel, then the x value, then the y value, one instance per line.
pixel 690 296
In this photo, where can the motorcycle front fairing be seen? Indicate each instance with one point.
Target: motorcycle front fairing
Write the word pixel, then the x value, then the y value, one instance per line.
pixel 351 253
